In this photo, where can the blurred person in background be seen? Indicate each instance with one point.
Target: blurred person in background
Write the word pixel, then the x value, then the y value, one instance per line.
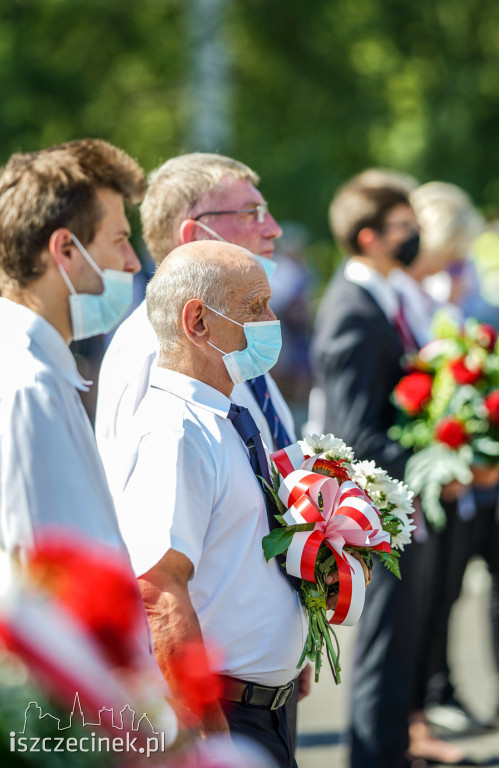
pixel 361 334
pixel 371 178
pixel 449 226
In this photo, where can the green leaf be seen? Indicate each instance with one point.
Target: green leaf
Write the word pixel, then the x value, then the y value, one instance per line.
pixel 390 560
pixel 276 542
pixel 273 493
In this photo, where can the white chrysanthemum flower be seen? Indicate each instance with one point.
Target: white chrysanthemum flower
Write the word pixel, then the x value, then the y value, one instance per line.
pixel 333 447
pixel 403 537
pixel 402 497
pixel 388 495
pixel 371 478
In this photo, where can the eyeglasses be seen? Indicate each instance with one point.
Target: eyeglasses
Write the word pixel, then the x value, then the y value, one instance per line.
pixel 260 210
pixel 408 226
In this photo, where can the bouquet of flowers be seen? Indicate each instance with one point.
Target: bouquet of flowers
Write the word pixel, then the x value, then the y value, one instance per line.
pixel 334 514
pixel 449 410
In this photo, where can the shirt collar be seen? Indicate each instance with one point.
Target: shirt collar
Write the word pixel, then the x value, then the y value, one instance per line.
pixel 42 338
pixel 378 286
pixel 191 390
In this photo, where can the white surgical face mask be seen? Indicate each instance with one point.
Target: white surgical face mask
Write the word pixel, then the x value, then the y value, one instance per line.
pixel 92 314
pixel 262 351
pixel 269 265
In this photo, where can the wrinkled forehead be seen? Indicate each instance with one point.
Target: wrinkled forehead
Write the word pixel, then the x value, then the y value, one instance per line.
pixel 248 282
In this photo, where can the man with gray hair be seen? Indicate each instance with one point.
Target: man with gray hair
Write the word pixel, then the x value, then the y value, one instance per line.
pixel 191 197
pixel 193 468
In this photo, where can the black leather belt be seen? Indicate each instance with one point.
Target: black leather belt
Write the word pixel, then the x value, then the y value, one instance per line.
pixel 254 695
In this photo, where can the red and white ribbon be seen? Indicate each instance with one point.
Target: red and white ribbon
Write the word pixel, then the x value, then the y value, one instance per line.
pixel 342 515
pixel 288 459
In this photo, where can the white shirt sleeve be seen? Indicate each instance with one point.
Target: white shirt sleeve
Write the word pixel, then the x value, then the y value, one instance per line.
pixel 51 475
pixel 168 499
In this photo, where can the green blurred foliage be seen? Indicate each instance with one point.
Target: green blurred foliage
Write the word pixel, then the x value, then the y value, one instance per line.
pixel 73 68
pixel 319 91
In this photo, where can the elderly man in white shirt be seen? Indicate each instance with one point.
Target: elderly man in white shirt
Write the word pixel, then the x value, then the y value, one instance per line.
pixel 192 510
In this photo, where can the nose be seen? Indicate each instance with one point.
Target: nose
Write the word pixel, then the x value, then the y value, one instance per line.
pixel 271 228
pixel 269 314
pixel 132 263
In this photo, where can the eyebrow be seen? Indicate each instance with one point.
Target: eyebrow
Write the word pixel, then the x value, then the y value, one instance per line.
pixel 258 301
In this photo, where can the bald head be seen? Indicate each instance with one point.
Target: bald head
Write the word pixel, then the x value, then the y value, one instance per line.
pixel 213 272
pixel 203 253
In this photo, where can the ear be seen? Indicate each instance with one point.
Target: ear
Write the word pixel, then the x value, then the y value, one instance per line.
pixel 194 322
pixel 189 231
pixel 366 239
pixel 60 247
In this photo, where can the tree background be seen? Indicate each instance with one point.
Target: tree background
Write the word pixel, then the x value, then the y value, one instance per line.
pixel 306 93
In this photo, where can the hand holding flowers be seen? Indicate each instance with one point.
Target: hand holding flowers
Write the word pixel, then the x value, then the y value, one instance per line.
pixel 334 513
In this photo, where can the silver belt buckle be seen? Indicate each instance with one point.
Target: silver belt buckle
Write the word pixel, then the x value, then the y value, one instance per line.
pixel 282 695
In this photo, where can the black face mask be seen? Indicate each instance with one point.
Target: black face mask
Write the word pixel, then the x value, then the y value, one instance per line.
pixel 408 250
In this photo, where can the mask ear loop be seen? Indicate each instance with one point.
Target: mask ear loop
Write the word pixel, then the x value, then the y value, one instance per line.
pixel 217 348
pixel 67 280
pixel 86 255
pixel 224 316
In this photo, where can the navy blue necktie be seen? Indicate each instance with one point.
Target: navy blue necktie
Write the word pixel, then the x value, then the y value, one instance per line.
pixel 262 396
pixel 244 424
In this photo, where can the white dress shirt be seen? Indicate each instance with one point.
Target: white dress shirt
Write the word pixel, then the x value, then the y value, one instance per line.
pixel 378 286
pixel 123 382
pixel 51 474
pixel 188 485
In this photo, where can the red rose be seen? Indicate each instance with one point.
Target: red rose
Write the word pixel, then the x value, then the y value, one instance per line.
pixel 462 373
pixel 451 432
pixel 492 406
pixel 487 336
pixel 413 392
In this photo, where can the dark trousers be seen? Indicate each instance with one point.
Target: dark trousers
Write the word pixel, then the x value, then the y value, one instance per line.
pixel 461 540
pixel 387 657
pixel 267 727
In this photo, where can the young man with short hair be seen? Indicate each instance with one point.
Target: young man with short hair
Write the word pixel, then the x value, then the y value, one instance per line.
pixel 66 269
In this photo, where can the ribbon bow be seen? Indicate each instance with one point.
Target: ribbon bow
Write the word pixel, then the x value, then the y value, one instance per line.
pixel 342 515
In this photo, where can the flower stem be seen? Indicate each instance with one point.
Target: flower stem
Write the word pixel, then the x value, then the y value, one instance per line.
pixel 319 631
